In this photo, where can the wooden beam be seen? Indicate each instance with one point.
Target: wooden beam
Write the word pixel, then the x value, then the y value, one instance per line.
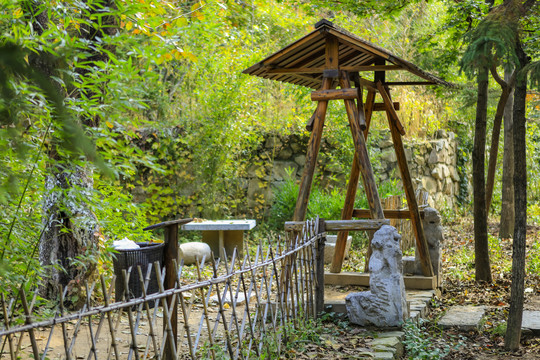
pixel 311 157
pixel 361 166
pixel 388 214
pixel 370 85
pixel 371 68
pixel 360 101
pixel 341 225
pixel 370 104
pixel 382 106
pixel 334 94
pixel 393 116
pixel 319 70
pixel 416 222
pixel 362 279
pixel 331 62
pixel 406 83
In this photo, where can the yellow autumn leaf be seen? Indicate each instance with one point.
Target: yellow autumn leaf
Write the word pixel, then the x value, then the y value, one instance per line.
pixel 180 22
pixel 189 56
pixel 168 56
pixel 109 125
pixel 226 306
pixel 129 25
pixel 177 54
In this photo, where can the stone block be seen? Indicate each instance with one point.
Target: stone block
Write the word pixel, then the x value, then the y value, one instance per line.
pixel 300 160
pixel 464 318
pixel 330 247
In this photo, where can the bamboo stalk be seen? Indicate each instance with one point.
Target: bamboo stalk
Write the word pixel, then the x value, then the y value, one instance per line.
pixel 28 320
pixel 6 323
pixel 205 311
pixel 106 297
pixel 222 312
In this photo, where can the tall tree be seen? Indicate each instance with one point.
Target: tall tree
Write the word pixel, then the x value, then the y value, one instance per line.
pixel 515 313
pixel 68 245
pixel 506 228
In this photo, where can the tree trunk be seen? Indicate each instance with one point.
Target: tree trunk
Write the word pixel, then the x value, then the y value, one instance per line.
pixel 515 313
pixel 68 246
pixel 506 229
pixel 481 250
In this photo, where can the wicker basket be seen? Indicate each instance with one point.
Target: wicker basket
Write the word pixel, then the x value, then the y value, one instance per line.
pixel 145 256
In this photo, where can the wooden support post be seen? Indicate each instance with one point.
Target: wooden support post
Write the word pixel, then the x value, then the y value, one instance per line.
pixel 416 223
pixel 170 258
pixel 360 102
pixel 348 207
pixel 361 165
pixel 332 55
pixel 319 270
pixel 170 261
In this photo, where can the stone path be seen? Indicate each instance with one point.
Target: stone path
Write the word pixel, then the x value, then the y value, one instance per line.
pixel 531 322
pixel 388 345
pixel 464 318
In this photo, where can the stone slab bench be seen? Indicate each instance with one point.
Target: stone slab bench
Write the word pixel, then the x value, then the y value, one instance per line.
pixel 222 234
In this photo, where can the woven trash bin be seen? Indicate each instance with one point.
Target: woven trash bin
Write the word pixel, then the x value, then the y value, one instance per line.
pixel 145 256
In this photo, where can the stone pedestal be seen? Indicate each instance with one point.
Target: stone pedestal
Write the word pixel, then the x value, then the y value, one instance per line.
pixel 384 305
pixel 434 235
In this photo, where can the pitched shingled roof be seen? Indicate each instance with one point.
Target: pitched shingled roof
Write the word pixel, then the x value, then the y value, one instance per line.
pixel 302 62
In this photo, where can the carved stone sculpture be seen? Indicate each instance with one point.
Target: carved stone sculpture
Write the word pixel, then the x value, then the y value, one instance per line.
pixel 384 305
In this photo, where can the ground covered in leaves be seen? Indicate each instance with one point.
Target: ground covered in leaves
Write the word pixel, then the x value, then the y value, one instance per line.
pixel 335 338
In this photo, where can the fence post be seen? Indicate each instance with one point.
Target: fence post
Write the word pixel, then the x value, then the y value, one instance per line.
pixel 170 261
pixel 319 268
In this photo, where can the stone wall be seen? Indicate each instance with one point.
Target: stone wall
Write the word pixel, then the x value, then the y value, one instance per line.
pixel 432 164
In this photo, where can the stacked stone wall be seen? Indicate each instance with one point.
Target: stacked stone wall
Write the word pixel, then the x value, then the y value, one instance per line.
pixel 432 164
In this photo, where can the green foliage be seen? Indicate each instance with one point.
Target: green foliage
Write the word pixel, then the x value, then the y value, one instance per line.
pixel 419 341
pixel 492 41
pixel 324 203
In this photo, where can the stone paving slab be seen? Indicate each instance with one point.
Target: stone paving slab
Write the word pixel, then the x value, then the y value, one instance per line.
pixel 531 322
pixel 464 318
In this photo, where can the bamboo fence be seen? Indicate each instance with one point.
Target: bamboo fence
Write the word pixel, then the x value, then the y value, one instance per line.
pixel 234 307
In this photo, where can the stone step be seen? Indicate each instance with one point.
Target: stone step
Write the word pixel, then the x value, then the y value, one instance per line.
pixel 463 318
pixel 531 322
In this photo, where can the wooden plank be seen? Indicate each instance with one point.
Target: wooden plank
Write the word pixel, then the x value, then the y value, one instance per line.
pixel 362 279
pixel 334 94
pixel 388 214
pixel 311 156
pixel 393 116
pixel 416 222
pixel 341 225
